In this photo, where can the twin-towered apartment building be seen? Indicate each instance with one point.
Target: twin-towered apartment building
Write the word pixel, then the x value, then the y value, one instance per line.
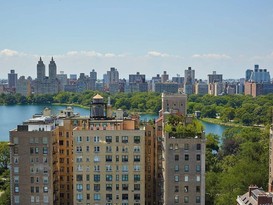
pixel 107 158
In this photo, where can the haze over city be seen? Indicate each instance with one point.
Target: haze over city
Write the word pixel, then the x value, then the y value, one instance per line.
pixel 144 36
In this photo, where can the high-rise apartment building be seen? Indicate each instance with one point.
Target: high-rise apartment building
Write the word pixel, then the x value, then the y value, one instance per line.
pixel 33 165
pixel 40 70
pixel 258 75
pixel 12 79
pixel 214 77
pixel 44 84
pixel 164 77
pixel 180 157
pixel 109 158
pixel 23 86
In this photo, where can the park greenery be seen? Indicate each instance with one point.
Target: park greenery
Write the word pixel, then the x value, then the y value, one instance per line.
pixel 237 109
pixel 4 174
pixel 237 160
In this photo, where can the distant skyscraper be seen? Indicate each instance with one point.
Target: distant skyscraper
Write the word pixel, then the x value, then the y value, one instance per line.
pixel 52 69
pixel 23 86
pixel 164 77
pixel 92 80
pixel 259 75
pixel 189 81
pixel 189 76
pixel 12 79
pixel 62 77
pixel 40 69
pixel 215 77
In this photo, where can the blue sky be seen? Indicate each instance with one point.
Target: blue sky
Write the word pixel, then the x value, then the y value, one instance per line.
pixel 146 36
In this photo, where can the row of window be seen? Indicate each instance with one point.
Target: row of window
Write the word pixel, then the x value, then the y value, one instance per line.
pixel 186 199
pixel 185 147
pixel 186 189
pixel 108 139
pixel 35 150
pixel 186 178
pixel 187 168
pixel 124 149
pixel 109 158
pixel 187 157
pixel 108 187
pixel 109 197
pixel 109 168
pixel 108 177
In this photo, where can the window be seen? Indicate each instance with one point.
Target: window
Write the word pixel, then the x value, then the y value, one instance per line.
pixel 87 139
pixel 198 168
pixel 124 168
pixel 96 158
pixel 36 150
pixel 96 139
pixel 186 146
pixel 79 149
pixel 198 189
pixel 198 146
pixel 87 177
pixel 136 196
pixel 137 187
pixel 176 168
pixel 96 177
pixel 87 149
pixel 88 187
pixel 109 177
pixel 136 139
pixel 31 150
pixel 117 138
pixel 108 139
pixel 176 199
pixel 79 197
pixel 186 178
pixel 45 150
pixel 176 146
pixel 124 158
pixel 109 197
pixel 79 187
pixel 16 169
pixel 45 189
pixel 117 158
pixel 117 187
pixel 16 179
pixel 186 189
pixel 176 189
pixel 124 149
pixel 108 187
pixel 176 178
pixel 108 149
pixel 78 139
pixel 187 157
pixel 96 149
pixel 124 196
pixel 171 146
pixel 96 197
pixel 198 178
pixel 176 157
pixel 136 167
pixel 45 140
pixel 124 177
pixel 136 148
pixel 198 157
pixel 125 187
pixel 198 199
pixel 45 179
pixel 96 187
pixel 136 177
pixel 136 158
pixel 124 139
pixel 108 168
pixel 79 177
pixel 186 168
pixel 16 188
pixel 108 158
pixel 186 199
pixel 37 189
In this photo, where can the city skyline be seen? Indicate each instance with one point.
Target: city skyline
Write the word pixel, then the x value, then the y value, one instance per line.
pixel 149 37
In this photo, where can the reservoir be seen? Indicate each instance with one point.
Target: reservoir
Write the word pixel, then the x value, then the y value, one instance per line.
pixel 12 115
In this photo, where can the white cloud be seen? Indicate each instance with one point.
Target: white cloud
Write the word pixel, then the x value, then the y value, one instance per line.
pixel 211 56
pixel 157 54
pixel 8 52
